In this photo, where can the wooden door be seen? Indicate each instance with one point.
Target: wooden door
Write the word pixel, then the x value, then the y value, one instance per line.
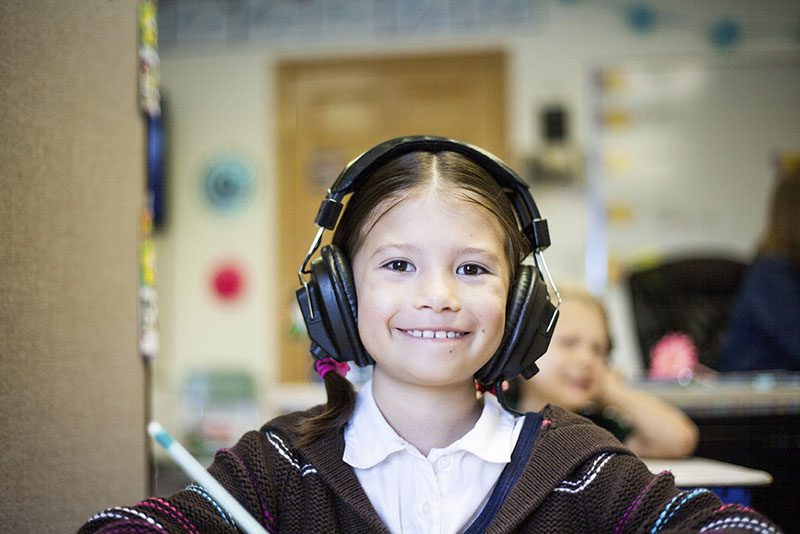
pixel 331 111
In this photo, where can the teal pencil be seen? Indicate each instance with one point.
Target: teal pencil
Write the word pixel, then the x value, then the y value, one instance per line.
pixel 197 472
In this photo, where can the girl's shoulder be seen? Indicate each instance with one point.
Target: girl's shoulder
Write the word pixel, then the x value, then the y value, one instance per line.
pixel 289 424
pixel 555 417
pixel 571 439
pixel 274 456
pixel 770 264
pixel 280 434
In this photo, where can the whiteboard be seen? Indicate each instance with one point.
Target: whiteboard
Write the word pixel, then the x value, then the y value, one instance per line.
pixel 682 157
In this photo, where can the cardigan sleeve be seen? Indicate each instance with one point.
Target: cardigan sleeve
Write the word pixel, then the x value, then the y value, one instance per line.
pixel 244 470
pixel 626 497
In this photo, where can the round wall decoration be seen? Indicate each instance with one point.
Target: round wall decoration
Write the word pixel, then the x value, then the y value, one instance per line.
pixel 228 183
pixel 228 281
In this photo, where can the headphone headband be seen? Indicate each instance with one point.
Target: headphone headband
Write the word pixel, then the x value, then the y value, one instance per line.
pixel 531 223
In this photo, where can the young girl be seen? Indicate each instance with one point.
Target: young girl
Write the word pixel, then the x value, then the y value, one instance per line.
pixel 424 279
pixel 574 374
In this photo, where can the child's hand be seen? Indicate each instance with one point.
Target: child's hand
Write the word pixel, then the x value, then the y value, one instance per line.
pixel 612 384
pixel 659 430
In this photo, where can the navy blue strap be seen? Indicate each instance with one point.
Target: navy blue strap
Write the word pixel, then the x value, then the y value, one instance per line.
pixel 511 473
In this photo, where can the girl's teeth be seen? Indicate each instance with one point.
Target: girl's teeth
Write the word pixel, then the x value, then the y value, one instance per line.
pixel 430 334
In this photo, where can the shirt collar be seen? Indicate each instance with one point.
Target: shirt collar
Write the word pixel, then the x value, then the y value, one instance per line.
pixel 494 435
pixel 369 439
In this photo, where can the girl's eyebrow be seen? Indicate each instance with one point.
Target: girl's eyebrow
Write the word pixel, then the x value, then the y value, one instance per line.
pixel 479 251
pixel 402 247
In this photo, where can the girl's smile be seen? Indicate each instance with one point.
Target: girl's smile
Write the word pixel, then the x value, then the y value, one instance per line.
pixel 424 333
pixel 432 281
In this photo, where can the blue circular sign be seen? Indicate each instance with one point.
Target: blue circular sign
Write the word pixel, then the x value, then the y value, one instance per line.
pixel 228 183
pixel 725 33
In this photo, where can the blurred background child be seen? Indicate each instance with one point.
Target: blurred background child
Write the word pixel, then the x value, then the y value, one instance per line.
pixel 574 374
pixel 764 329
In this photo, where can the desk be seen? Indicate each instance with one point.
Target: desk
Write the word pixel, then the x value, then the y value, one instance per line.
pixel 732 483
pixel 703 472
pixel 731 395
pixel 750 419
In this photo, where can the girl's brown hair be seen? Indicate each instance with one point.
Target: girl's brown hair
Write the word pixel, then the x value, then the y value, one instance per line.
pixel 446 173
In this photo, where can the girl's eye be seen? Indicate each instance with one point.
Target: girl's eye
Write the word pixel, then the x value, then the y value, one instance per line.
pixel 400 266
pixel 471 269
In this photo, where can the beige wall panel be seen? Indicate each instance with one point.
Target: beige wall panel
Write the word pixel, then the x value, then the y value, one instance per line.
pixel 72 171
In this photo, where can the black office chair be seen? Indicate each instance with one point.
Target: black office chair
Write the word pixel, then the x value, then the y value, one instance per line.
pixel 689 295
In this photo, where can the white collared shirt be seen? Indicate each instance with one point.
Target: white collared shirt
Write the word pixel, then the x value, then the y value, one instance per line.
pixel 443 492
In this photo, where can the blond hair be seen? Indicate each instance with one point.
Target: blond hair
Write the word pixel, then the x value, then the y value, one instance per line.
pixel 574 291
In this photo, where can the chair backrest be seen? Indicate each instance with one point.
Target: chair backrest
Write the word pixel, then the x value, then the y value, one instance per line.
pixel 689 295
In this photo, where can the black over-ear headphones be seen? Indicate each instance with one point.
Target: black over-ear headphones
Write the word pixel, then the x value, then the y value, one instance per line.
pixel 328 298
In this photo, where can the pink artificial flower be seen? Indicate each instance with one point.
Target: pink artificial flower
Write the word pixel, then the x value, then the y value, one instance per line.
pixel 674 356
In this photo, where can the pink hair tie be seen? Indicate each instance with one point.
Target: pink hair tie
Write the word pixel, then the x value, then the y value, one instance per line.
pixel 485 388
pixel 326 365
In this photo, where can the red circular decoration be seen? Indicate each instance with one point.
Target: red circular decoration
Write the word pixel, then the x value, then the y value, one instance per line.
pixel 228 282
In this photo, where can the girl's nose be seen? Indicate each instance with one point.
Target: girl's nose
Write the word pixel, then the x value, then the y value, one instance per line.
pixel 437 291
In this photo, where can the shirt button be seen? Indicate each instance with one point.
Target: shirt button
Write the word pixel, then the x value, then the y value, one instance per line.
pixel 426 508
pixel 444 462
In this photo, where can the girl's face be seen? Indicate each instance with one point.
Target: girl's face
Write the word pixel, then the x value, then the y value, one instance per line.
pixel 571 371
pixel 432 281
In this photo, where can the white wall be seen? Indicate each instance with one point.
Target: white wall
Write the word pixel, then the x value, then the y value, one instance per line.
pixel 217 105
pixel 222 98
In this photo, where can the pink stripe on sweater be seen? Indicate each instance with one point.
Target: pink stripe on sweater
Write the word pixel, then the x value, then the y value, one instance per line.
pixel 261 502
pixel 128 527
pixel 735 506
pixel 165 507
pixel 636 502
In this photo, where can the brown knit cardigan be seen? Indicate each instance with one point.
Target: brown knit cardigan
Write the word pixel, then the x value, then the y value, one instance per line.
pixel 566 475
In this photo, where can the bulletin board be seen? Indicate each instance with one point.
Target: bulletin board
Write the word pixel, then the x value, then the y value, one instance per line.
pixel 682 157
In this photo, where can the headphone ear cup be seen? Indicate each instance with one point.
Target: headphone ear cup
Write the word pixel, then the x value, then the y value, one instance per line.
pixel 341 298
pixel 526 336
